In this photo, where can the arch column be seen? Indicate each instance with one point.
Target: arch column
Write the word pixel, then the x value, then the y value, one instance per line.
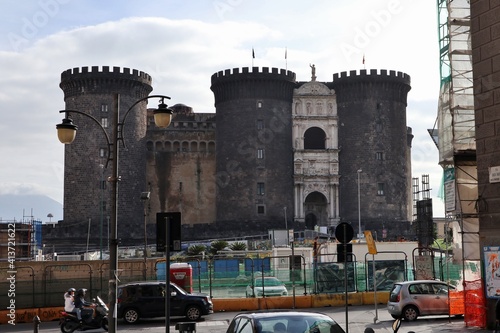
pixel 332 202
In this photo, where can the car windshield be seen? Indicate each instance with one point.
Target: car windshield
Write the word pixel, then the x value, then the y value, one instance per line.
pixel 268 282
pixel 299 324
pixel 177 289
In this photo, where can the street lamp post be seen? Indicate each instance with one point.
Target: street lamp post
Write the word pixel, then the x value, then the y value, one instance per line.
pixel 145 198
pixel 286 227
pixel 66 132
pixel 101 210
pixel 359 208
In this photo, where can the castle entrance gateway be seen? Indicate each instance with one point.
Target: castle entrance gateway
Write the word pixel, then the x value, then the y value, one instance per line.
pixel 316 165
pixel 316 210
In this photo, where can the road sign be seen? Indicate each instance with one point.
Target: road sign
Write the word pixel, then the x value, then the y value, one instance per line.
pixel 174 221
pixel 344 232
pixel 372 248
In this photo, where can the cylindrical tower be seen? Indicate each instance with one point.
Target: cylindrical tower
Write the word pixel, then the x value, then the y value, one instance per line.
pixel 87 202
pixel 373 141
pixel 254 155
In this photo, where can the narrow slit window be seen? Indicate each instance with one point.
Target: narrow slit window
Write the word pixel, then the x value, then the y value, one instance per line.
pixel 260 124
pixel 380 189
pixel 260 153
pixel 260 188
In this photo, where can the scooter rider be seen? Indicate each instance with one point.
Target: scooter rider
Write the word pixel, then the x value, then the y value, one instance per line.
pixel 69 303
pixel 83 305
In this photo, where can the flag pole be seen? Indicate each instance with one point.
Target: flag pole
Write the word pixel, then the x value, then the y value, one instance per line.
pixel 286 59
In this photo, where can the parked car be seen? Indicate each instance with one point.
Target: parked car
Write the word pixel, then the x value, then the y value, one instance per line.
pixel 146 299
pixel 411 299
pixel 266 286
pixel 268 321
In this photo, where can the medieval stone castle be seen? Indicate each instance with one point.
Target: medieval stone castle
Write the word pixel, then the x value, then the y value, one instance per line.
pixel 278 153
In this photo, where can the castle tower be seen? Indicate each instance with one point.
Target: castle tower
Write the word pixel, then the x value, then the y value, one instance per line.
pixel 181 169
pixel 374 138
pixel 254 152
pixel 87 203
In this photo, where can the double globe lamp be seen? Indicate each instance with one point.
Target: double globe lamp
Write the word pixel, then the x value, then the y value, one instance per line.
pixel 66 132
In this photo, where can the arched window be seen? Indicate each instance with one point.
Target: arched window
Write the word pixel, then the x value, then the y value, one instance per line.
pixel 314 138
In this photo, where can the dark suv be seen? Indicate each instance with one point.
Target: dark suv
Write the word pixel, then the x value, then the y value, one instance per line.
pixel 147 300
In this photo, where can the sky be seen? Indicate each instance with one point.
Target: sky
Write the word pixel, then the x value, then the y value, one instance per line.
pixel 181 44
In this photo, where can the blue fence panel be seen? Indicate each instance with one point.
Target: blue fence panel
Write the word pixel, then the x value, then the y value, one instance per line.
pixel 226 268
pixel 199 268
pixel 259 265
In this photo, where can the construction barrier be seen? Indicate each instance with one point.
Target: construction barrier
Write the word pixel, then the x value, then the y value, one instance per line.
pixel 224 305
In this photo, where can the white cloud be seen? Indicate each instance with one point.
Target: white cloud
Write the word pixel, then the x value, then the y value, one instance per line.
pixel 181 45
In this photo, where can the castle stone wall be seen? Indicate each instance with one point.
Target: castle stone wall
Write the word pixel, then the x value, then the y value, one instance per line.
pixel 371 107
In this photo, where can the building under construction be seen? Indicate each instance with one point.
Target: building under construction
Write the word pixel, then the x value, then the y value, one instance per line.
pixel 20 240
pixel 456 127
pixel 466 134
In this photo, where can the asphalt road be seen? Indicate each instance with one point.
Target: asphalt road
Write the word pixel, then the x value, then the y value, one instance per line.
pixel 358 317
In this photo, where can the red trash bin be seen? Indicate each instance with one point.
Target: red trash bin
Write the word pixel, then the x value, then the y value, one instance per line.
pixel 182 275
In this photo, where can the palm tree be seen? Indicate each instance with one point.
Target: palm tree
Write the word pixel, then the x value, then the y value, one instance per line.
pixel 238 246
pixel 217 246
pixel 195 250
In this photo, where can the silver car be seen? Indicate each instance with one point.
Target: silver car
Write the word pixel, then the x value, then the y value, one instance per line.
pixel 266 286
pixel 411 299
pixel 283 321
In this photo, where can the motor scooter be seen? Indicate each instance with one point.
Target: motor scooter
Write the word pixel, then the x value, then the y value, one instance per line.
pixel 69 321
pixel 396 325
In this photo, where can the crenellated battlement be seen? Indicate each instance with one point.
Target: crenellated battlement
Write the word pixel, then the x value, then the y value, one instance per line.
pixel 95 79
pixel 372 74
pixel 236 83
pixel 254 72
pixel 96 72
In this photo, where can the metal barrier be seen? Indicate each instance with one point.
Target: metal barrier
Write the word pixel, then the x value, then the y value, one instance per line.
pixel 213 276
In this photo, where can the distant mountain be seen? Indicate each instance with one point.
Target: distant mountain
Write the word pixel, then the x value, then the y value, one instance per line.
pixel 22 206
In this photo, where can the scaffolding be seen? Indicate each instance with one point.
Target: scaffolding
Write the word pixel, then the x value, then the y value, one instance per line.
pixel 456 123
pixel 456 103
pixel 456 140
pixel 23 237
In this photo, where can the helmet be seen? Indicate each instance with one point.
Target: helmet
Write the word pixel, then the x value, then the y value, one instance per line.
pixel 81 291
pixel 71 290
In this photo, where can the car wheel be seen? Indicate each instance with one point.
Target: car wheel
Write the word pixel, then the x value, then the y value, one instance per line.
pixel 131 316
pixel 410 313
pixel 193 312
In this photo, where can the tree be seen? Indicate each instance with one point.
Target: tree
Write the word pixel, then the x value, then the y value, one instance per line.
pixel 217 246
pixel 195 250
pixel 238 246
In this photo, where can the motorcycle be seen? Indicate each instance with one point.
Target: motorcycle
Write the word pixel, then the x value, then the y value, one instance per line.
pixel 69 321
